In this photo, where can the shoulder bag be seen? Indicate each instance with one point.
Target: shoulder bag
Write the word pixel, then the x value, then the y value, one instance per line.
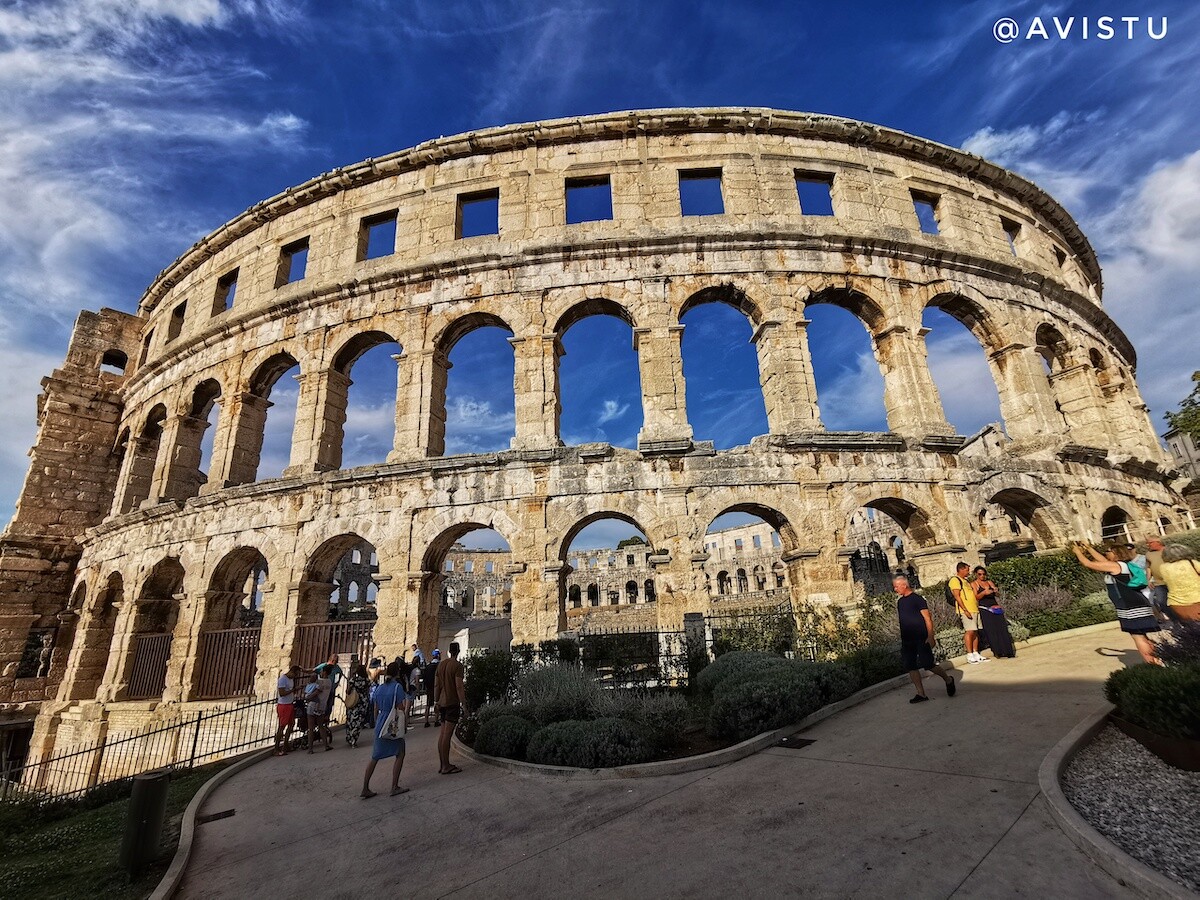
pixel 394 725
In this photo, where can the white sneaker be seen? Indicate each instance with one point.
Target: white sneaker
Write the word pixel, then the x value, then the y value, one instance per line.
pixel 979 657
pixel 972 658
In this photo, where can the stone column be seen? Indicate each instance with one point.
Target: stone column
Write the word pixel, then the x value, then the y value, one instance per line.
pixel 113 685
pixel 536 392
pixel 168 443
pixel 320 421
pixel 179 684
pixel 397 615
pixel 785 371
pixel 1026 402
pixel 914 409
pixel 536 612
pixel 238 464
pixel 1082 403
pixel 420 405
pixel 182 478
pixel 664 403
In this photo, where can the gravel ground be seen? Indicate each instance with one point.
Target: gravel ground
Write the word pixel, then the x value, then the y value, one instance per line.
pixel 1147 808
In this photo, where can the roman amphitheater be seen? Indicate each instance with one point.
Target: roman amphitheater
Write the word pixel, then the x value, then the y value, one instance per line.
pixel 127 568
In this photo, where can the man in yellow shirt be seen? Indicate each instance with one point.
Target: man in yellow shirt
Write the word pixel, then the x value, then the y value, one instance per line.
pixel 968 609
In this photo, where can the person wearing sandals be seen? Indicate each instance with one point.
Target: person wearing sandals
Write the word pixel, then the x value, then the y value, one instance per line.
pixel 358 716
pixel 285 708
pixel 387 695
pixel 1134 612
pixel 450 697
pixel 917 639
pixel 316 693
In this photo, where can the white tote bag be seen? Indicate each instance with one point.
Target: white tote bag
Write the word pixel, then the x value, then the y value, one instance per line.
pixel 394 725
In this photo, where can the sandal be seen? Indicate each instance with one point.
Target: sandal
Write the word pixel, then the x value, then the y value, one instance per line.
pixel 453 770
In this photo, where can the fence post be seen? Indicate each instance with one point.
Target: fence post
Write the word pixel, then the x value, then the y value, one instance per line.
pixel 195 741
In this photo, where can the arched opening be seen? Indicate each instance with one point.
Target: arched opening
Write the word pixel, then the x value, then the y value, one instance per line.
pixel 1054 352
pixel 114 362
pixel 599 384
pixel 648 591
pixel 270 420
pixel 95 640
pixel 879 538
pixel 329 619
pixel 604 554
pixel 574 597
pixel 1018 522
pixel 721 368
pixel 956 348
pixel 194 442
pixel 1114 526
pixel 154 621
pixel 845 369
pixel 360 421
pixel 748 538
pixel 143 460
pixel 468 584
pixel 230 630
pixel 474 409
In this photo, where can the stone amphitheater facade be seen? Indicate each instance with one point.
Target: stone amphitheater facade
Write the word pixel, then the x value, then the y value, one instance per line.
pixel 118 535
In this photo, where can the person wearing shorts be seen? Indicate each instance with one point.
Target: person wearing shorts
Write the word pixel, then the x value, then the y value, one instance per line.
pixel 917 639
pixel 968 610
pixel 450 696
pixel 285 709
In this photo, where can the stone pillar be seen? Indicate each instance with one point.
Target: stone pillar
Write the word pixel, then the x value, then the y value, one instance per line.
pixel 1026 402
pixel 936 563
pixel 785 371
pixel 113 685
pixel 179 684
pixel 139 474
pixel 242 449
pixel 664 403
pixel 397 611
pixel 536 611
pixel 1082 403
pixel 182 478
pixel 914 408
pixel 536 392
pixel 421 405
pixel 320 421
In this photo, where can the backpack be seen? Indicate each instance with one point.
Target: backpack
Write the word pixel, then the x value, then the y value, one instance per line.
pixel 1137 577
pixel 949 594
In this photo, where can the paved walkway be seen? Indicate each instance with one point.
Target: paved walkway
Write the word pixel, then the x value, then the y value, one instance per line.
pixel 936 800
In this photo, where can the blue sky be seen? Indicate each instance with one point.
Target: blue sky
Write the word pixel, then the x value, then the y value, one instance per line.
pixel 130 128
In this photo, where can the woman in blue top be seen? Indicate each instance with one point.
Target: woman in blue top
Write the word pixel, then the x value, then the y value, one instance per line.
pixel 387 695
pixel 1134 611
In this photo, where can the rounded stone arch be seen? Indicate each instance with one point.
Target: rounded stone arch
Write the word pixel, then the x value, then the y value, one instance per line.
pixel 321 560
pixel 857 302
pixel 264 376
pixel 973 310
pixel 456 329
pixel 433 539
pixel 593 306
pixel 227 588
pixel 918 525
pixel 649 525
pixel 152 422
pixel 1039 514
pixel 1052 346
pixel 1114 524
pixel 350 349
pixel 778 516
pixel 727 293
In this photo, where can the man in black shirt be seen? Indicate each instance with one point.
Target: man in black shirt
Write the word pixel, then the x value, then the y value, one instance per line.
pixel 916 638
pixel 429 679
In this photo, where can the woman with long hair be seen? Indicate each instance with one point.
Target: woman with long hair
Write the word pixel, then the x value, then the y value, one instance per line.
pixel 1181 573
pixel 358 716
pixel 1134 611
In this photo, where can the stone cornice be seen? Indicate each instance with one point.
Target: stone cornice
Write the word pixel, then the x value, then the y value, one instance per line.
pixel 620 125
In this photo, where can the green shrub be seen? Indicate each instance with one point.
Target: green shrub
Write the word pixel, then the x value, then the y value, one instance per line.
pixel 767 699
pixel 596 744
pixel 1017 631
pixel 505 736
pixel 835 680
pixel 493 710
pixel 1163 700
pixel 948 643
pixel 663 716
pixel 1077 615
pixel 1182 647
pixel 875 663
pixel 1056 569
pixel 735 666
pixel 488 678
pixel 556 694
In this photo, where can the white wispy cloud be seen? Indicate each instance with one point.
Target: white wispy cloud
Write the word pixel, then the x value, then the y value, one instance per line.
pixel 473 426
pixel 611 409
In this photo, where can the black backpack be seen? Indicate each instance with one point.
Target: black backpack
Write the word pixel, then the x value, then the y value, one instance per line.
pixel 949 595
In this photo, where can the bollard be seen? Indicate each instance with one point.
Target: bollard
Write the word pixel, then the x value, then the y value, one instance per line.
pixel 143 827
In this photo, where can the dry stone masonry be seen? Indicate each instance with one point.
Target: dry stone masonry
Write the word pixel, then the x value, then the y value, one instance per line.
pixel 133 562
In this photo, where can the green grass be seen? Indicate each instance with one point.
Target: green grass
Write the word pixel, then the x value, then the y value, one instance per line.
pixel 60 853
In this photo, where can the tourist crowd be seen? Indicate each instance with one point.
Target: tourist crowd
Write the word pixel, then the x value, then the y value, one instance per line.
pixel 381 696
pixel 1161 586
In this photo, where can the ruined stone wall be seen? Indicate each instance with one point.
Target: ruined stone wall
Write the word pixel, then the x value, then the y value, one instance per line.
pixel 1074 443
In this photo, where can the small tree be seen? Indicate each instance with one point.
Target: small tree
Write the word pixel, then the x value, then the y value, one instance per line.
pixel 1187 418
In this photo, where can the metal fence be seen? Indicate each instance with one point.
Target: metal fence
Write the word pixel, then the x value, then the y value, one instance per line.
pixel 315 643
pixel 226 662
pixel 638 658
pixel 770 628
pixel 193 741
pixel 149 675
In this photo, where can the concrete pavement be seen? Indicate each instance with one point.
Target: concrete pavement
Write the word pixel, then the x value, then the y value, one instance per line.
pixel 934 800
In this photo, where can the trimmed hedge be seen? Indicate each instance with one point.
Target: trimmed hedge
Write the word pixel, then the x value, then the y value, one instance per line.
pixel 875 663
pixel 1080 613
pixel 767 699
pixel 506 736
pixel 488 678
pixel 736 666
pixel 598 744
pixel 1165 700
pixel 835 680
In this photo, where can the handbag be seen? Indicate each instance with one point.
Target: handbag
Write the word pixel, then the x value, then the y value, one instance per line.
pixel 394 726
pixel 352 698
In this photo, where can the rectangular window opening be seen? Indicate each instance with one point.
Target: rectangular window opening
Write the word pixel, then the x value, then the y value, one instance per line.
pixel 377 235
pixel 149 339
pixel 589 199
pixel 478 214
pixel 226 292
pixel 293 262
pixel 815 192
pixel 757 542
pixel 926 206
pixel 700 192
pixel 175 326
pixel 1012 231
pixel 469 566
pixel 449 567
pixel 488 566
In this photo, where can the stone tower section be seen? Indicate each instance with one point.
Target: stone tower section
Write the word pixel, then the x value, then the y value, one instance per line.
pixel 69 488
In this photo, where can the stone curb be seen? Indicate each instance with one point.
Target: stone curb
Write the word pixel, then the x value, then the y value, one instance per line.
pixel 1129 872
pixel 187 828
pixel 746 748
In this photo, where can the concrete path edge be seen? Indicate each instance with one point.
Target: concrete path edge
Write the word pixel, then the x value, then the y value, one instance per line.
pixel 1129 872
pixel 187 827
